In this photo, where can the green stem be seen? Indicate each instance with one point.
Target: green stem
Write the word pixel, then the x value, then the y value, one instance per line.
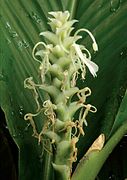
pixel 62 162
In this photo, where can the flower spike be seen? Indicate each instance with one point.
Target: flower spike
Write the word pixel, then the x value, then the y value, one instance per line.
pixel 61 60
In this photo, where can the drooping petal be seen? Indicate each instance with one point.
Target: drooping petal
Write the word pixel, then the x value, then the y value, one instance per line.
pixel 78 50
pixel 93 68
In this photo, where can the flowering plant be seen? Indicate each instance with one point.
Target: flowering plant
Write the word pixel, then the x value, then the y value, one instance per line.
pixel 65 122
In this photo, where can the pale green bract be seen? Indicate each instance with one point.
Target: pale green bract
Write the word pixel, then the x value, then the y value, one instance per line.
pixel 61 59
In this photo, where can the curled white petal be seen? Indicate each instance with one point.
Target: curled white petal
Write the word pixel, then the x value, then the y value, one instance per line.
pixel 33 52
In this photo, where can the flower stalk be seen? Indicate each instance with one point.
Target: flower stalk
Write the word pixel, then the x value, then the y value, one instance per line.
pixel 61 59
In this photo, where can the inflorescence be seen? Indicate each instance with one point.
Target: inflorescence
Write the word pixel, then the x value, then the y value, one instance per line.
pixel 61 59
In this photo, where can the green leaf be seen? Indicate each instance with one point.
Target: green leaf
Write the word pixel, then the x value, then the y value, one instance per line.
pixel 121 115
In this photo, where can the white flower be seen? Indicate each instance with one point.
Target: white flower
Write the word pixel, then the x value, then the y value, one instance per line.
pixel 93 68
